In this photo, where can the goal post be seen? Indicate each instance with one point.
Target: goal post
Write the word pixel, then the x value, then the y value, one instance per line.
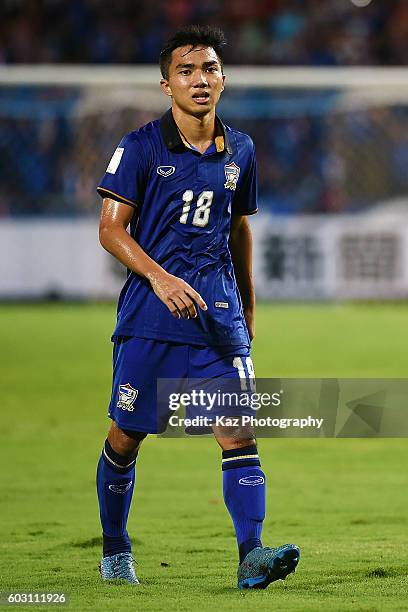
pixel 255 77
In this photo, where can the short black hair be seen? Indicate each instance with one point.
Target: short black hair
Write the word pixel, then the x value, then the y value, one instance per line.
pixel 193 35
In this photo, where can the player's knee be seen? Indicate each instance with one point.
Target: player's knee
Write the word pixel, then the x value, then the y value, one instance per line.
pixel 228 444
pixel 125 442
pixel 136 436
pixel 230 438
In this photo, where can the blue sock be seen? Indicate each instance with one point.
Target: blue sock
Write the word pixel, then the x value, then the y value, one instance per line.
pixel 244 495
pixel 115 479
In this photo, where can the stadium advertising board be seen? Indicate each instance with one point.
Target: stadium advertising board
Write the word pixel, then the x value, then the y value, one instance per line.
pixel 300 258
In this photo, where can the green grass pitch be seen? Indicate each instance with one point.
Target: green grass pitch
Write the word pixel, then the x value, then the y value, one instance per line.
pixel 343 501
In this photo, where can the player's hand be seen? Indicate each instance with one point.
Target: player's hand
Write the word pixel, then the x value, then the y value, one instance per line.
pixel 250 322
pixel 179 297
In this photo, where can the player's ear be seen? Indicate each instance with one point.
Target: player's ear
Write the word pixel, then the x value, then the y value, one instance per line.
pixel 223 82
pixel 164 84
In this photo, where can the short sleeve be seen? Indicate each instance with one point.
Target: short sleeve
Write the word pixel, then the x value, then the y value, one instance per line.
pixel 246 195
pixel 125 176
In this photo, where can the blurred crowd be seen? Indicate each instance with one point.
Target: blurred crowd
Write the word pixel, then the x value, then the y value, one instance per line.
pixel 308 163
pixel 51 158
pixel 277 32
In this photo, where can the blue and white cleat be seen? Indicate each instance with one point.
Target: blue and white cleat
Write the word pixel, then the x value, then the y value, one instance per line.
pixel 262 566
pixel 119 567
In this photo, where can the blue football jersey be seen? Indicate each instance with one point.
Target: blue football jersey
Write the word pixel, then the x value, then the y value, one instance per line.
pixel 184 202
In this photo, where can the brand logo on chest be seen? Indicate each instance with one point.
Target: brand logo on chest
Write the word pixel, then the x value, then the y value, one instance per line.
pixel 166 170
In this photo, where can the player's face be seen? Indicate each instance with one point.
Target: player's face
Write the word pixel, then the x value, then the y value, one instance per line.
pixel 195 79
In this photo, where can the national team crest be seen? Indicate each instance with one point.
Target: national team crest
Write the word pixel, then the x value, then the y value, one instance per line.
pixel 231 174
pixel 127 396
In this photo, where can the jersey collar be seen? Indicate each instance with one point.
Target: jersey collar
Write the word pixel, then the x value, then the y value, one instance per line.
pixel 173 139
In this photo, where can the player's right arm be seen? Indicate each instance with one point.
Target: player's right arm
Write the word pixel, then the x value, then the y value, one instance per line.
pixel 174 292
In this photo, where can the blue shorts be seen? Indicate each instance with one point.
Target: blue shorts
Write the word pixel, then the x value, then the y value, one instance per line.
pixel 139 362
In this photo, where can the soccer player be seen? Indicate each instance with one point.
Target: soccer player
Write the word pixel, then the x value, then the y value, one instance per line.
pixel 184 186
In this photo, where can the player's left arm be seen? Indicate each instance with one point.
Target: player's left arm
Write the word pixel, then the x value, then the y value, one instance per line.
pixel 240 244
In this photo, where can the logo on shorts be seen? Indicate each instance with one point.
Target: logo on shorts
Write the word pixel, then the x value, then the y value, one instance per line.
pixel 251 481
pixel 120 488
pixel 166 170
pixel 231 174
pixel 127 396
